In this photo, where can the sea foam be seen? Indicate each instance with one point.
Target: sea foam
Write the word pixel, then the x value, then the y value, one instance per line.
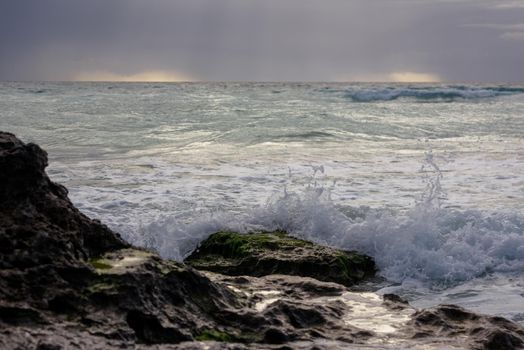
pixel 427 243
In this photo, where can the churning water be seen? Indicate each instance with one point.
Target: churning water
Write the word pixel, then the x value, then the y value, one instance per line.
pixel 428 179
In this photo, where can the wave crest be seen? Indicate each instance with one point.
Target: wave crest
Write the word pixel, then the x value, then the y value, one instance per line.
pixel 428 93
pixel 427 243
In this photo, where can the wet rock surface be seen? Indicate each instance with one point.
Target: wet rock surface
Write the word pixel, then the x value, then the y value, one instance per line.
pixel 483 332
pixel 69 282
pixel 63 273
pixel 44 239
pixel 266 253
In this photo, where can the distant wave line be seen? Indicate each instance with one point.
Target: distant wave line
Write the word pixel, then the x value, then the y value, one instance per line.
pixel 450 93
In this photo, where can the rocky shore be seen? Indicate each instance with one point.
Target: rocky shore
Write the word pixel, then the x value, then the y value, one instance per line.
pixel 69 282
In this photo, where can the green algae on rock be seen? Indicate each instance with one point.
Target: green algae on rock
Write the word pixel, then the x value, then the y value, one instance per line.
pixel 266 253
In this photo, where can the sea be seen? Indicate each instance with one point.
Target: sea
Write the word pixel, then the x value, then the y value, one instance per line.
pixel 428 179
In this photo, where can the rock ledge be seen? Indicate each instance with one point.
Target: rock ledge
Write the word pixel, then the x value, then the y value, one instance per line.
pixel 69 282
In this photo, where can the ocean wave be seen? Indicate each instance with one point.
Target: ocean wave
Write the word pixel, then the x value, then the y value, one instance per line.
pixel 428 93
pixel 306 135
pixel 427 243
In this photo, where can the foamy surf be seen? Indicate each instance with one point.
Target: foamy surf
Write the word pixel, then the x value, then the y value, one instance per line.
pixel 426 242
pixel 441 246
pixel 340 164
pixel 423 253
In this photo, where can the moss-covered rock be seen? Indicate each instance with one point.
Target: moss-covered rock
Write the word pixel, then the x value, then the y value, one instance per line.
pixel 266 253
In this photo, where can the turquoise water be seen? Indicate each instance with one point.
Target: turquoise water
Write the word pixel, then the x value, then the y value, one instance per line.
pixel 428 179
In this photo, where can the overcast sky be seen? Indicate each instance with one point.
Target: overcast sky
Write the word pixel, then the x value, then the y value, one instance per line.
pixel 263 40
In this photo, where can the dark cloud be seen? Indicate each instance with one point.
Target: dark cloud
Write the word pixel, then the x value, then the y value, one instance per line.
pixel 457 40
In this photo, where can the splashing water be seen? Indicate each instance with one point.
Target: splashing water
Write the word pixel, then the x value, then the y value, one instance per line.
pixel 432 175
pixel 427 243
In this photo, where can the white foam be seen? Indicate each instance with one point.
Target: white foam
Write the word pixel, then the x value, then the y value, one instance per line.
pixel 426 243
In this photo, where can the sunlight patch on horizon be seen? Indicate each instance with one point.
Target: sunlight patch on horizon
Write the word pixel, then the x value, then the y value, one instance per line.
pixel 413 77
pixel 399 77
pixel 159 76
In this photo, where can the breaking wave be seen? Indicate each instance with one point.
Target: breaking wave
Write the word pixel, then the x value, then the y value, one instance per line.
pixel 428 93
pixel 437 245
pixel 427 242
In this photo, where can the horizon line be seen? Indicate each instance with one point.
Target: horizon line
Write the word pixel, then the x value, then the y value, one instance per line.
pixel 260 82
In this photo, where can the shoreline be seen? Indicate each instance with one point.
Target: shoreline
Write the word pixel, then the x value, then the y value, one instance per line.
pixel 70 282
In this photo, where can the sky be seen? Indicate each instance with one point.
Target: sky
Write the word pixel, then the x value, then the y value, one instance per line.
pixel 262 40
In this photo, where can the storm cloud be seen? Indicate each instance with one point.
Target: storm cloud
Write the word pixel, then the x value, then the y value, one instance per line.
pixel 263 40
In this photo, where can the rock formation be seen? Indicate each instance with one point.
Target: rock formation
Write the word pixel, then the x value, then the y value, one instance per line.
pixel 69 282
pixel 268 253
